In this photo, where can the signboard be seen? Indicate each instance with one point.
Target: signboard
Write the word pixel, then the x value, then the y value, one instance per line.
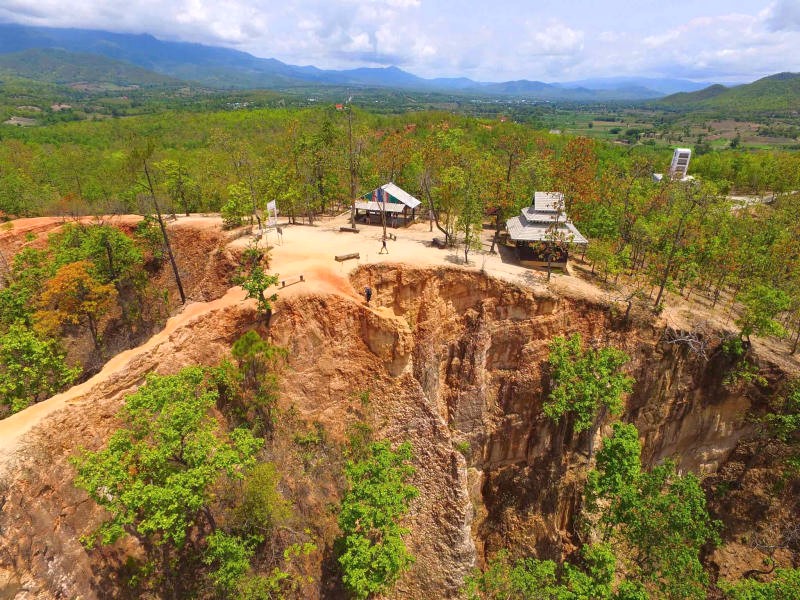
pixel 272 214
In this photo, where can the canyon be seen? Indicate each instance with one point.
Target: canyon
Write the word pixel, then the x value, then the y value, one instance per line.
pixel 454 360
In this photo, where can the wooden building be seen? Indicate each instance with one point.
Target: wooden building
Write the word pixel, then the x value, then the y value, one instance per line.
pixel 542 234
pixel 389 201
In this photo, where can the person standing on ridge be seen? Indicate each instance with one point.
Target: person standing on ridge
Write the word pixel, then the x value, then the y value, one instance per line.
pixel 368 293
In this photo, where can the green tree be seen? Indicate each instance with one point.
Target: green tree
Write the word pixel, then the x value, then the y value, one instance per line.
pixel 182 189
pixel 528 578
pixel 139 158
pixel 785 423
pixel 658 520
pixel 254 389
pixel 282 582
pixel 760 305
pixel 784 586
pixel 114 256
pixel 448 196
pixel 686 206
pixel 256 283
pixel 157 475
pixel 236 206
pixel 470 222
pixel 261 506
pixel 30 268
pixel 373 554
pixel 31 368
pixel 584 380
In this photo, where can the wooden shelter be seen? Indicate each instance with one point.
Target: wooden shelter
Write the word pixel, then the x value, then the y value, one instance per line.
pixel 389 201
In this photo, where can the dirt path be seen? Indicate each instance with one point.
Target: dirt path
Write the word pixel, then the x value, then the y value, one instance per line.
pixel 14 428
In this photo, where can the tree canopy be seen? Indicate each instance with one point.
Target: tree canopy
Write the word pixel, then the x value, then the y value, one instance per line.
pixel 583 380
pixel 156 475
pixel 373 554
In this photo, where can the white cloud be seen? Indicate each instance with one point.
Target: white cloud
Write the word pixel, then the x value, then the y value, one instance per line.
pixel 557 39
pixel 609 36
pixel 784 16
pixel 509 39
pixel 728 46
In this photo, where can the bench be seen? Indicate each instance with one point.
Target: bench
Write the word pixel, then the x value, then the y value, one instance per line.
pixel 344 257
pixel 284 284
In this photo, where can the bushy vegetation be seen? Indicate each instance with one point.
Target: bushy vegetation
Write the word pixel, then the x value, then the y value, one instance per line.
pixel 85 278
pixel 651 525
pixel 584 380
pixel 373 554
pixel 195 492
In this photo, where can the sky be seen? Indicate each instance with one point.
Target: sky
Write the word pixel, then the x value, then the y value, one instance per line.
pixel 724 41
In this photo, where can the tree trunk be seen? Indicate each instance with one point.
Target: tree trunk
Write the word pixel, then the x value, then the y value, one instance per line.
pixel 717 291
pixel 436 218
pixel 352 168
pixel 93 331
pixel 496 231
pixel 165 236
pixel 110 256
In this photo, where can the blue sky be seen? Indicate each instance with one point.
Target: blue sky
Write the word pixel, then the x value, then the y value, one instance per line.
pixel 547 40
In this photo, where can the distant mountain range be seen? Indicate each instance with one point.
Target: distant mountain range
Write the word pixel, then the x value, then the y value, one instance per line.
pixel 68 68
pixel 226 68
pixel 779 93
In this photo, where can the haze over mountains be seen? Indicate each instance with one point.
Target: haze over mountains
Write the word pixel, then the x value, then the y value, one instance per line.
pixel 227 68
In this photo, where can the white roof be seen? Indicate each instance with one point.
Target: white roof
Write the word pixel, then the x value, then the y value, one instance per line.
pixel 531 215
pixel 389 207
pixel 549 201
pixel 401 195
pixel 519 230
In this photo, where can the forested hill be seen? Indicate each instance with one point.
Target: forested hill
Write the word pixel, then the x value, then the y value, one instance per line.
pixel 62 67
pixel 780 92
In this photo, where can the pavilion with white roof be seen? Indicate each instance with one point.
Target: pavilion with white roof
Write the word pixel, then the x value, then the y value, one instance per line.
pixel 542 233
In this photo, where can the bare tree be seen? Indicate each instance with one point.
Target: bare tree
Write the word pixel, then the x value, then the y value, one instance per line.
pixel 699 340
pixel 139 159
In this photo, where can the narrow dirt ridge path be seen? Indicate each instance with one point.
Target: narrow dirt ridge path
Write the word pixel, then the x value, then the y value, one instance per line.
pixel 14 428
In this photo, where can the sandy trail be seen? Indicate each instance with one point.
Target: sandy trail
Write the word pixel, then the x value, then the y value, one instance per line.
pixel 14 428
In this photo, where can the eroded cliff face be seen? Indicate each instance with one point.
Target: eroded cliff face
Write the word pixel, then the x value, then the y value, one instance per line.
pixel 455 362
pixel 480 351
